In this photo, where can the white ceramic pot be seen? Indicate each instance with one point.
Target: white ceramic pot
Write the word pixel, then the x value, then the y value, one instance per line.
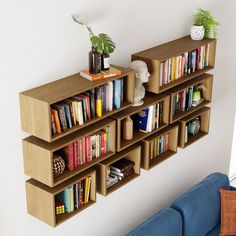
pixel 197 32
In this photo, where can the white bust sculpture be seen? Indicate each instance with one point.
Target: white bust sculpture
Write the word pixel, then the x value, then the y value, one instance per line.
pixel 141 75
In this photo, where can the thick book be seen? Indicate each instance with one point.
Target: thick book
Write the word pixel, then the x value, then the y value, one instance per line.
pixel 68 154
pixel 100 76
pixel 122 165
pixel 62 116
pixel 140 120
pixel 68 114
pixel 57 121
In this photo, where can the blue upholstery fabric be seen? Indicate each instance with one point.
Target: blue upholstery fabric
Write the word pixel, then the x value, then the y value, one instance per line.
pixel 215 231
pixel 167 222
pixel 200 205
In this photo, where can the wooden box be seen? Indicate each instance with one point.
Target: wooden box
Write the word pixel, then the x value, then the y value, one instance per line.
pixel 154 56
pixel 35 103
pixel 146 161
pixel 38 154
pixel 204 114
pixel 41 198
pixel 149 100
pixel 133 154
pixel 204 79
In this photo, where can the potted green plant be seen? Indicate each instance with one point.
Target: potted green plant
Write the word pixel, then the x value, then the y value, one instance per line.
pixel 102 46
pixel 204 25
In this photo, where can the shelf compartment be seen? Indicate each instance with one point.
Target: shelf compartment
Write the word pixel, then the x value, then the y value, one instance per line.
pixel 41 198
pixel 154 56
pixel 38 154
pixel 35 104
pixel 146 161
pixel 204 79
pixel 149 99
pixel 204 114
pixel 133 154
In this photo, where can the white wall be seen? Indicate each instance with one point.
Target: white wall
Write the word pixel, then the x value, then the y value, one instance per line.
pixel 40 43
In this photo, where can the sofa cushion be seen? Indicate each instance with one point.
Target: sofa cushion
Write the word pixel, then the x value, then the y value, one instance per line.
pixel 215 231
pixel 166 222
pixel 200 205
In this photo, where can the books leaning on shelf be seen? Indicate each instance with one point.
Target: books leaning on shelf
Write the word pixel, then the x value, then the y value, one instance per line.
pixel 149 118
pixel 76 195
pixel 184 64
pixel 86 149
pixel 159 145
pixel 119 170
pixel 86 106
pixel 102 75
pixel 183 100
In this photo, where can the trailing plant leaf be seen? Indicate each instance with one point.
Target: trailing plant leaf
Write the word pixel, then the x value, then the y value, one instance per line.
pixel 206 19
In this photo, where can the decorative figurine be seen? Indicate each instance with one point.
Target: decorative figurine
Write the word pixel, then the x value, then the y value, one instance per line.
pixel 141 75
pixel 58 165
pixel 127 128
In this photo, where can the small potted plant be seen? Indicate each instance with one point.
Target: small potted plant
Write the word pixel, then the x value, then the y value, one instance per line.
pixel 102 46
pixel 204 25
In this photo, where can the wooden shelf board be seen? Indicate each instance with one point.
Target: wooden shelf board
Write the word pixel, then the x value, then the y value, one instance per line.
pixel 149 99
pixel 194 138
pixel 160 158
pixel 79 127
pixel 185 78
pixel 68 87
pixel 68 174
pixel 195 114
pixel 183 114
pixel 172 48
pixel 65 216
pixel 138 135
pixel 121 183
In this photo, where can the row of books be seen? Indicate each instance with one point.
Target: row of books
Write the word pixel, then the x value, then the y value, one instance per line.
pixel 183 100
pixel 76 195
pixel 149 118
pixel 119 170
pixel 86 106
pixel 185 64
pixel 86 149
pixel 159 145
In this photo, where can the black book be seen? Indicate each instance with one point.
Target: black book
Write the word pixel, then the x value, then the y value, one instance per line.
pixel 122 165
pixel 189 62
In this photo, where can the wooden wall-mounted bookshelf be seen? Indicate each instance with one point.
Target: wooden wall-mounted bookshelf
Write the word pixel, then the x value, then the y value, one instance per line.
pixel 133 154
pixel 149 161
pixel 35 103
pixel 41 198
pixel 154 56
pixel 204 114
pixel 204 79
pixel 38 154
pixel 149 100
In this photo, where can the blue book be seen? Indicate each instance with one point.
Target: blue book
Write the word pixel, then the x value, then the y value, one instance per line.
pixel 67 200
pixel 68 114
pixel 140 120
pixel 117 94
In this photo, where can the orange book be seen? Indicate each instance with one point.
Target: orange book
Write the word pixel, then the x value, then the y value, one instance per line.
pixel 57 121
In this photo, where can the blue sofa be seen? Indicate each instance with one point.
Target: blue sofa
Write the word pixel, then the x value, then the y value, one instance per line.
pixel 195 213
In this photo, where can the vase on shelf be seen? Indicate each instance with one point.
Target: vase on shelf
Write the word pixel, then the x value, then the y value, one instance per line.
pixel 197 32
pixel 94 61
pixel 127 128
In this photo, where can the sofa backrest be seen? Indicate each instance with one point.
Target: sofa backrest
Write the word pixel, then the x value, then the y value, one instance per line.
pixel 166 222
pixel 200 206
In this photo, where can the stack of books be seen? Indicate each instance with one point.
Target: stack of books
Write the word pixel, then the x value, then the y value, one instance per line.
pixel 185 64
pixel 86 149
pixel 76 195
pixel 120 170
pixel 149 118
pixel 159 145
pixel 86 106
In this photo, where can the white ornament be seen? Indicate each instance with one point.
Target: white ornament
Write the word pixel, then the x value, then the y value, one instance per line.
pixel 141 76
pixel 197 32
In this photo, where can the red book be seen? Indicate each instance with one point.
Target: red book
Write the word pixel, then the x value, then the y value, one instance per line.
pixel 167 141
pixel 78 152
pixel 198 58
pixel 102 143
pixel 87 99
pixel 88 150
pixel 68 153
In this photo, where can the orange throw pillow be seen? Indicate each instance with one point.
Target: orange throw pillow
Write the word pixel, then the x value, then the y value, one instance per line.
pixel 228 212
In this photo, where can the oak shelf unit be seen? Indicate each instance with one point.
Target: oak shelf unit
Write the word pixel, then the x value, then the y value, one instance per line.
pixel 149 100
pixel 133 154
pixel 41 198
pixel 155 55
pixel 204 114
pixel 38 154
pixel 35 103
pixel 146 161
pixel 204 79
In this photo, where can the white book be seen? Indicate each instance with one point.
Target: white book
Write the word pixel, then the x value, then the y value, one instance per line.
pixel 80 113
pixel 207 54
pixel 161 72
pixel 201 59
pixel 180 66
pixel 110 95
pixel 177 67
pixel 166 72
pixel 153 118
pixel 186 134
pixel 150 119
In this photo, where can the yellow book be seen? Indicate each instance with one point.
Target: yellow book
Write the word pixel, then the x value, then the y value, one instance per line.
pixel 86 190
pixel 98 101
pixel 89 187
